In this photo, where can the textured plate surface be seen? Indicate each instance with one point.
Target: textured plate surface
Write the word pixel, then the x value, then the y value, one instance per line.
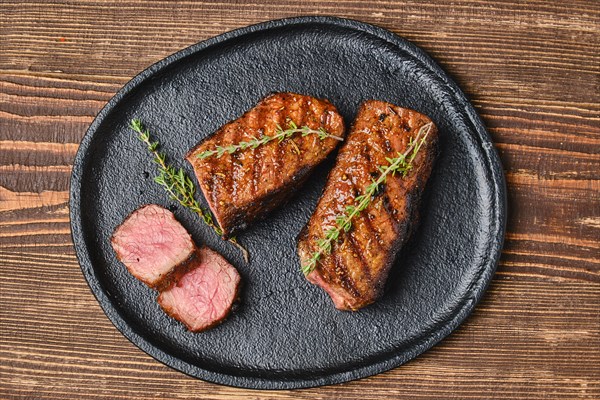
pixel 286 333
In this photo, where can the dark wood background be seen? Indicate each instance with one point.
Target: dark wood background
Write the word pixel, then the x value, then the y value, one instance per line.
pixel 532 69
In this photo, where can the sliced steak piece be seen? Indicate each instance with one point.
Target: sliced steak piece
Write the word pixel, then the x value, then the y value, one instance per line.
pixel 202 294
pixel 355 271
pixel 244 186
pixel 151 242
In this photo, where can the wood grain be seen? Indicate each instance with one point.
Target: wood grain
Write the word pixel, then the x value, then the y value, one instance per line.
pixel 532 69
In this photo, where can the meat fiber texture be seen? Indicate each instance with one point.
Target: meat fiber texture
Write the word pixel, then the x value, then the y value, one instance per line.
pixel 246 185
pixel 197 287
pixel 355 272
pixel 151 242
pixel 203 295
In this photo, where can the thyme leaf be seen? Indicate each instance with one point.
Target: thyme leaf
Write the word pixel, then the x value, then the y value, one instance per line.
pixel 401 164
pixel 280 135
pixel 177 183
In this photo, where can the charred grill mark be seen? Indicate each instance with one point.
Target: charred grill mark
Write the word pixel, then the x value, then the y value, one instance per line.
pixel 372 230
pixel 356 249
pixel 394 118
pixel 306 142
pixel 320 110
pixel 285 149
pixel 381 189
pixel 386 205
pixel 257 153
pixel 227 170
pixel 378 135
pixel 291 152
pixel 245 177
pixel 366 154
pixel 364 218
pixel 278 150
pixel 305 109
pixel 235 162
pixel 341 274
pixel 388 146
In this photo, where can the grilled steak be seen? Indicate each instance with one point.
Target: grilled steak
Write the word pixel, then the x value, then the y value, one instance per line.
pixel 203 292
pixel 355 271
pixel 151 242
pixel 244 186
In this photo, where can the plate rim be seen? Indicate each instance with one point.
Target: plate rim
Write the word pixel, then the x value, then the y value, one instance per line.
pixel 486 271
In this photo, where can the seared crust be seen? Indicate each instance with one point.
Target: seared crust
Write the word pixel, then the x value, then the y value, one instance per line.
pixel 355 272
pixel 244 186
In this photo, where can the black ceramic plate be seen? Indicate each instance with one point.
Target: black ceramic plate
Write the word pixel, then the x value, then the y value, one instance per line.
pixel 286 333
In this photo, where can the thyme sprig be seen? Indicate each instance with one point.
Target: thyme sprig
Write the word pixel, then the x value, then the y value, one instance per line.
pixel 177 183
pixel 402 164
pixel 280 135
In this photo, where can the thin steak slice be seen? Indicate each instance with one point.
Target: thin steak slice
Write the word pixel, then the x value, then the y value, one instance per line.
pixel 202 294
pixel 151 243
pixel 244 186
pixel 355 271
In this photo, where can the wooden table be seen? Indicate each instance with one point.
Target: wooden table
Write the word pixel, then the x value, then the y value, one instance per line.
pixel 532 69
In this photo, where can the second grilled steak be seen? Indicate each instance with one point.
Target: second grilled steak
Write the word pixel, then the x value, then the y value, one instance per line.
pixel 355 271
pixel 245 185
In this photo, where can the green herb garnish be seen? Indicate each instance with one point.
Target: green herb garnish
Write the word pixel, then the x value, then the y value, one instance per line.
pixel 401 164
pixel 280 135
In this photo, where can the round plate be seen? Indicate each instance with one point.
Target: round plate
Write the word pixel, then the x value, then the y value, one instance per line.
pixel 286 332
